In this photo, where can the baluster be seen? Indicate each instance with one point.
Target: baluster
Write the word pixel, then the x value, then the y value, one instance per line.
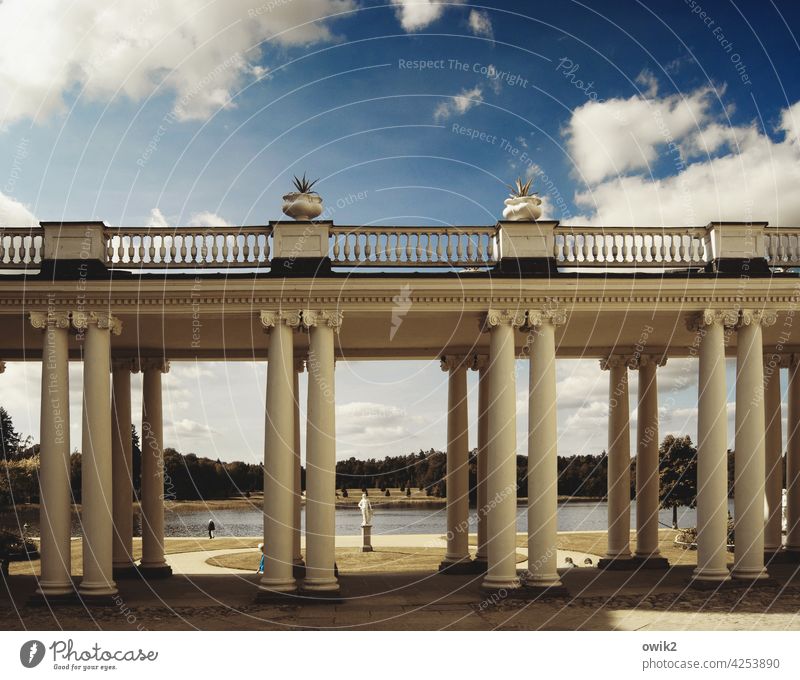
pixel 12 250
pixel 596 246
pixel 358 248
pixel 490 247
pixel 408 248
pixel 781 247
pixel 337 249
pixel 471 247
pixel 110 249
pixel 162 251
pixel 246 247
pixel 203 247
pixel 225 249
pixel 266 248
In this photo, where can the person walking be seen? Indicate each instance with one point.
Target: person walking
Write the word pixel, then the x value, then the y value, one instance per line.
pixel 211 528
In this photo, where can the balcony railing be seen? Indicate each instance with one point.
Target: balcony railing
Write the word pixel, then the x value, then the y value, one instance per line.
pixel 388 247
pixel 412 246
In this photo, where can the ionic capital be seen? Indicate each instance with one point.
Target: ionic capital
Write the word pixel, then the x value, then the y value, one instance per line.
pixel 271 318
pixel 636 361
pixel 103 320
pixel 479 362
pixel 452 362
pixel 126 363
pixel 503 317
pixel 755 317
pixel 314 317
pixel 614 361
pixel 709 317
pixel 44 320
pixel 539 317
pixel 153 364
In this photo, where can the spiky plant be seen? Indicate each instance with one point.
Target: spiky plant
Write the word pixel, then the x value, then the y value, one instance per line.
pixel 518 189
pixel 303 185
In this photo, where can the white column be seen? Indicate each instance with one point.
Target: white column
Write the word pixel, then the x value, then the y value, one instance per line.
pixel 279 454
pixel 122 467
pixel 297 496
pixel 96 484
pixel 712 447
pixel 619 465
pixel 749 478
pixel 501 476
pixel 55 503
pixel 543 452
pixel 647 440
pixel 321 453
pixel 481 365
pixel 457 559
pixel 153 563
pixel 773 452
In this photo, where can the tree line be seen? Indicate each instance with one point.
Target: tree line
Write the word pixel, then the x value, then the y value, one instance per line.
pixel 192 477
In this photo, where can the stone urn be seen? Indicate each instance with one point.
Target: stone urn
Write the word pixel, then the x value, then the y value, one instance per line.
pixel 302 206
pixel 522 209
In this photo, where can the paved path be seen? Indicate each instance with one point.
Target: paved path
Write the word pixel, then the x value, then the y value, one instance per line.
pixel 195 562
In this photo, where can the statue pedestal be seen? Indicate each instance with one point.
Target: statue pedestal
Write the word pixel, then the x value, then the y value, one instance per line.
pixel 366 538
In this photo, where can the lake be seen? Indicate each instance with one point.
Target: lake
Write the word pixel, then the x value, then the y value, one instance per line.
pixel 572 516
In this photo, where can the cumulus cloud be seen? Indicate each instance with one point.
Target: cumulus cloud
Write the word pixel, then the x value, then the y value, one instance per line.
pixel 672 160
pixel 204 218
pixel 612 137
pixel 15 214
pixel 480 23
pixel 102 51
pixel 417 14
pixel 459 104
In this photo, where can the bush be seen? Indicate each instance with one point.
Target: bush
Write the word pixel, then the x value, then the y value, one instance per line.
pixel 12 545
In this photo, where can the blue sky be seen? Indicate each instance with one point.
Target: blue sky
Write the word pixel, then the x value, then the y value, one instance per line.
pixel 170 112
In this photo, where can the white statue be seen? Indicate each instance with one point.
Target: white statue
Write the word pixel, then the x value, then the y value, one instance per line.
pixel 366 511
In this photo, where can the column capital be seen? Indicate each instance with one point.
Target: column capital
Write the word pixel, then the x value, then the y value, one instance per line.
pixel 614 361
pixel 272 318
pixel 153 364
pixel 49 318
pixel 539 317
pixel 708 317
pixel 103 320
pixel 452 362
pixel 123 363
pixel 503 317
pixel 636 361
pixel 755 317
pixel 479 362
pixel 324 317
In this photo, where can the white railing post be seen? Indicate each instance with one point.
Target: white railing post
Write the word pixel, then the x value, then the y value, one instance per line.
pixel 527 247
pixel 301 248
pixel 74 249
pixel 736 247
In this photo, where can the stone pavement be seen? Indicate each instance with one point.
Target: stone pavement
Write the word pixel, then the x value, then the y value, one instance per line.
pixel 597 600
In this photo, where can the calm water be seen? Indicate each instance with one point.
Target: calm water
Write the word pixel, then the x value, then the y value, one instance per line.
pixel 574 516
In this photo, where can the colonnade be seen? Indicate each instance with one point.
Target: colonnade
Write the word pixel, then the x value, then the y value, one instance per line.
pixel 107 489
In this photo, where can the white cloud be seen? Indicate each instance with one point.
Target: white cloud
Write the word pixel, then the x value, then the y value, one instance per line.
pixel 15 214
pixel 207 219
pixel 459 104
pixel 101 51
pixel 417 14
pixel 714 170
pixel 157 219
pixel 480 23
pixel 608 138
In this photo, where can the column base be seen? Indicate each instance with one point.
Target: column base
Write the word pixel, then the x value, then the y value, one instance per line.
pixel 125 572
pixel 501 586
pixel 700 583
pixel 153 573
pixel 65 599
pixel 535 591
pixel 320 586
pixel 651 562
pixel 751 576
pixel 457 568
pixel 626 563
pixel 97 591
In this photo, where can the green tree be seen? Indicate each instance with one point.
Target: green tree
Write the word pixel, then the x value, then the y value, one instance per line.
pixel 677 471
pixel 9 437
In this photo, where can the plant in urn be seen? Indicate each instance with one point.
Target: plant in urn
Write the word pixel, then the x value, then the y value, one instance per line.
pixel 522 205
pixel 303 204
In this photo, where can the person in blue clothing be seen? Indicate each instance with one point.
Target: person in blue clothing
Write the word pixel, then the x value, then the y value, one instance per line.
pixel 261 564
